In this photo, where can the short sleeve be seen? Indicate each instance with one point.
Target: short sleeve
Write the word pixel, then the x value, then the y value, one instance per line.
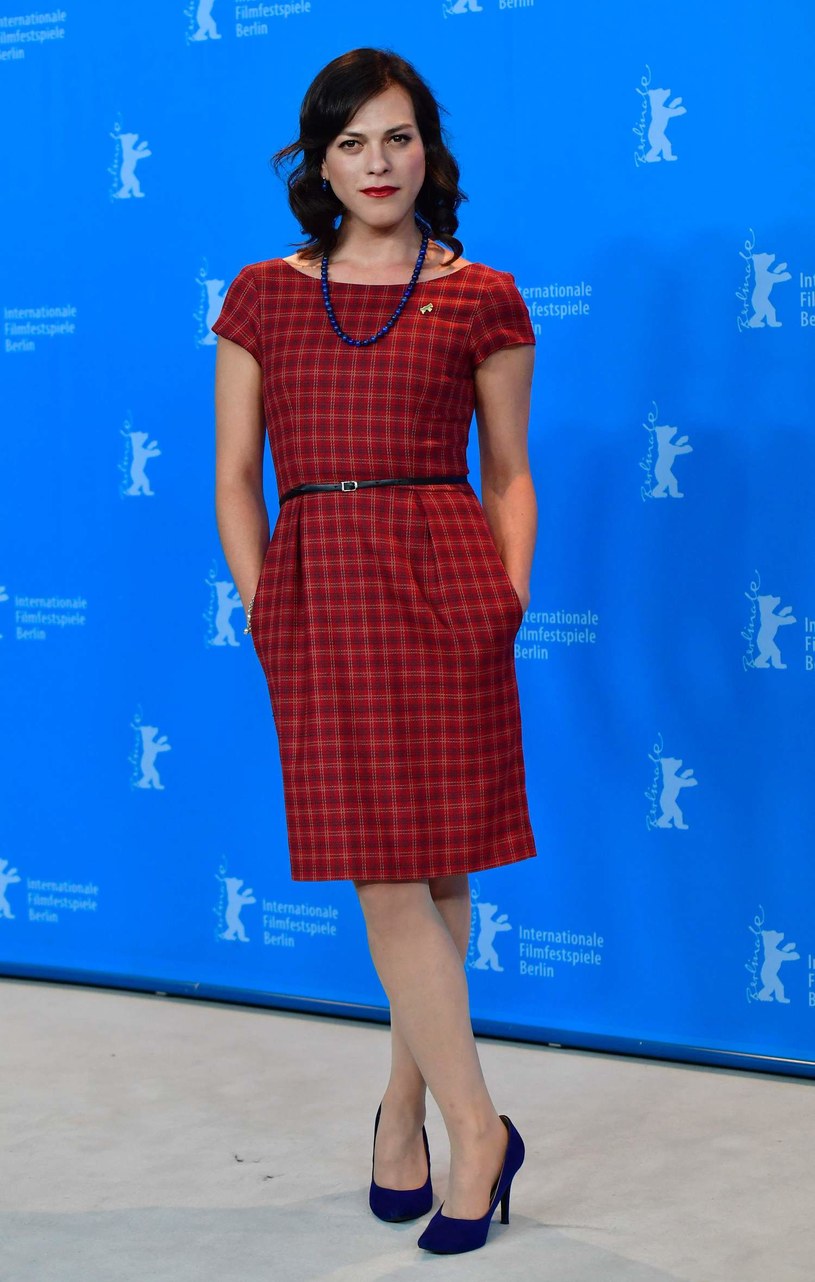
pixel 239 315
pixel 501 318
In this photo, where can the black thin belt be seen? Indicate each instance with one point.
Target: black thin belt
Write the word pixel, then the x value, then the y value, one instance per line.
pixel 315 487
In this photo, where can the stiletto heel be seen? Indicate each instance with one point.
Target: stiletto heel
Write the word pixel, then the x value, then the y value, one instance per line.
pixel 505 1208
pixel 449 1236
pixel 396 1205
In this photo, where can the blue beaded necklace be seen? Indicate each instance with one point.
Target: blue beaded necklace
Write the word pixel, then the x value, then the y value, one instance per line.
pixel 365 342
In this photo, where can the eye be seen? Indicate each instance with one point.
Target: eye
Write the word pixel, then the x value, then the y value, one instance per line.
pixel 351 142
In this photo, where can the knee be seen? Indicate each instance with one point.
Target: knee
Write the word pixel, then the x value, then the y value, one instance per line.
pixel 454 886
pixel 386 905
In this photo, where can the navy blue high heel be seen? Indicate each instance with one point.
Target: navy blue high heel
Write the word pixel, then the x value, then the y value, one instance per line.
pixel 395 1205
pixel 447 1236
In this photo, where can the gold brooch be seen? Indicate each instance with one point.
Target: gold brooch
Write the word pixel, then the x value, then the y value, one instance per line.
pixel 428 307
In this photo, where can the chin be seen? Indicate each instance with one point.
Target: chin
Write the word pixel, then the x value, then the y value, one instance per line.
pixel 383 210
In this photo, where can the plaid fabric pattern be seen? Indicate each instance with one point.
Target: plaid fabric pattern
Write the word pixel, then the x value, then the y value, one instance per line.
pixel 384 619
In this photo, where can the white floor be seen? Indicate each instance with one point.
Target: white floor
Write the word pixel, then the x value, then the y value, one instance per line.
pixel 165 1140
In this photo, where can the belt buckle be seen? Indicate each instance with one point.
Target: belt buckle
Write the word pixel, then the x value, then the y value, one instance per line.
pixel 349 485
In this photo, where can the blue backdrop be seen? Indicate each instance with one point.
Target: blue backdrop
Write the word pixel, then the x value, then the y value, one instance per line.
pixel 648 179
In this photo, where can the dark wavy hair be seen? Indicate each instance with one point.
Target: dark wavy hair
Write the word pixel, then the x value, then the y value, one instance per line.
pixel 334 96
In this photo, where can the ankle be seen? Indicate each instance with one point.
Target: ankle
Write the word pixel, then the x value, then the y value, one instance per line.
pixel 408 1106
pixel 477 1130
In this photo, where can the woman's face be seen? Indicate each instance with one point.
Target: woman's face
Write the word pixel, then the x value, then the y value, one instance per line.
pixel 380 147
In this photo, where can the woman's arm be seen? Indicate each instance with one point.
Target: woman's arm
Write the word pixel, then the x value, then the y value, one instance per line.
pixel 503 389
pixel 240 508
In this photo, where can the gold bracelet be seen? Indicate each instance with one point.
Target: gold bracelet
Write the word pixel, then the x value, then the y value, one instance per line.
pixel 248 627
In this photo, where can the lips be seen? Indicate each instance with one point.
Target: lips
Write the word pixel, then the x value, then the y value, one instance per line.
pixel 379 191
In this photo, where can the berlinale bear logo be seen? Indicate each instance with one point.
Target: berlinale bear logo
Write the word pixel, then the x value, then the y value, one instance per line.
pixel 139 451
pixel 224 599
pixel 765 620
pixel 488 928
pixel 672 785
pixel 773 957
pixel 660 482
pixel 765 279
pixel 149 743
pixel 236 898
pixel 214 303
pixel 653 144
pixel 661 113
pixel 205 28
pixel 452 8
pixel 769 654
pixel 666 785
pixel 8 877
pixel 758 281
pixel 131 154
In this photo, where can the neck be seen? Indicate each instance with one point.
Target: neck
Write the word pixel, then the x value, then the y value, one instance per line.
pixel 377 248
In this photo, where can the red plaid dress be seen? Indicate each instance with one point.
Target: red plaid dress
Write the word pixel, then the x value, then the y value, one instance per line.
pixel 384 619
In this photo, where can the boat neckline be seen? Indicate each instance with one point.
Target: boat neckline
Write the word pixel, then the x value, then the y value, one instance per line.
pixel 362 284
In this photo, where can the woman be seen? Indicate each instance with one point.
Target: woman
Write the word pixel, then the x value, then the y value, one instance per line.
pixel 384 615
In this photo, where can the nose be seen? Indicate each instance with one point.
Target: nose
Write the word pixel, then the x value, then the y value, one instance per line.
pixel 377 161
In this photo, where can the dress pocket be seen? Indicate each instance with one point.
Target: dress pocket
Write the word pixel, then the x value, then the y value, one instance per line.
pixel 258 609
pixel 508 584
pixel 468 588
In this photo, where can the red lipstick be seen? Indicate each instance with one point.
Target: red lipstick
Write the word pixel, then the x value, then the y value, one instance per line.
pixel 379 191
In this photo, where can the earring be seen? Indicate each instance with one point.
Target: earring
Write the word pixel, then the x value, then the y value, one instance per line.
pixel 325 184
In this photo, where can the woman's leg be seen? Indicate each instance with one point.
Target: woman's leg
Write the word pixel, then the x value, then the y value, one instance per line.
pixel 420 968
pixel 400 1161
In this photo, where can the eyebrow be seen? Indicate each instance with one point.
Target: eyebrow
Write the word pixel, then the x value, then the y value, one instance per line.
pixel 393 128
